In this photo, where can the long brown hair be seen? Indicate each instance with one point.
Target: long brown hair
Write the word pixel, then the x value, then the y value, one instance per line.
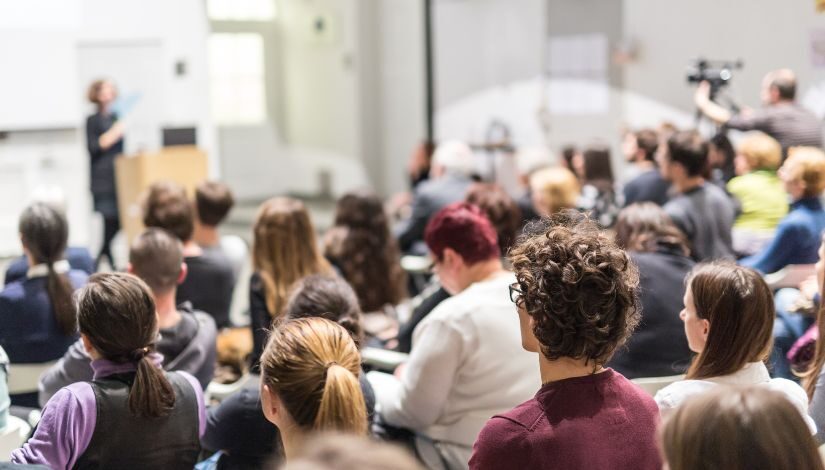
pixel 738 304
pixel 312 364
pixel 45 232
pixel 500 208
pixel 361 246
pixel 644 227
pixel 116 313
pixel 810 376
pixel 751 427
pixel 284 249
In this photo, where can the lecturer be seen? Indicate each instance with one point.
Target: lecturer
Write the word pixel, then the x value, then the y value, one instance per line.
pixel 104 135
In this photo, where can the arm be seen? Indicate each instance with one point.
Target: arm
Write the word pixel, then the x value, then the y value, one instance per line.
pixel 74 366
pixel 775 256
pixel 716 113
pixel 196 386
pixel 64 431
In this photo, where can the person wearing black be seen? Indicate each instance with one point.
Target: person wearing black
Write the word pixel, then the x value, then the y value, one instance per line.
pixel 645 182
pixel 658 347
pixel 104 139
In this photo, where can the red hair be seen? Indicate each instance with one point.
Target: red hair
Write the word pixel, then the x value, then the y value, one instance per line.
pixel 464 228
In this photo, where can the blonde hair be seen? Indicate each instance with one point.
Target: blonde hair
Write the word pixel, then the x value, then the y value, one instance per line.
pixel 558 187
pixel 284 249
pixel 806 165
pixel 94 90
pixel 313 364
pixel 761 151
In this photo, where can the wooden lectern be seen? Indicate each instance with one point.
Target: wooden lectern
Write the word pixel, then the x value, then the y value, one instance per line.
pixel 184 164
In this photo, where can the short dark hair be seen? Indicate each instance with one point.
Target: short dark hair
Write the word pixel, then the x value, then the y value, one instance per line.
pixel 597 165
pixel 329 297
pixel 166 206
pixel 156 257
pixel 579 288
pixel 785 85
pixel 213 201
pixel 648 142
pixel 465 229
pixel 689 149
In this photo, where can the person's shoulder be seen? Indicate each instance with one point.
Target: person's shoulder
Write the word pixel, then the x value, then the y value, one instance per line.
pixel 502 439
pixel 676 393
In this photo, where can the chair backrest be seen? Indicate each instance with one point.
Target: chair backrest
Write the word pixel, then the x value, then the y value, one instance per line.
pixel 790 276
pixel 12 436
pixel 652 385
pixel 217 392
pixel 23 378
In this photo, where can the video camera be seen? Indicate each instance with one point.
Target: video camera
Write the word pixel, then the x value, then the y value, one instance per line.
pixel 717 73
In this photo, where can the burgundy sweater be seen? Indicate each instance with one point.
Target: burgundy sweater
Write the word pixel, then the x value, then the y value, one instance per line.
pixel 596 421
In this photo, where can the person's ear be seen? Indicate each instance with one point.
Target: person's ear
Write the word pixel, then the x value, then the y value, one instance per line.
pixel 451 258
pixel 87 345
pixel 705 328
pixel 129 268
pixel 184 270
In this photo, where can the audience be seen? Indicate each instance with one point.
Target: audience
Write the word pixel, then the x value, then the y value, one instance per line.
pixel 210 280
pixel 702 211
pixel 644 183
pixel 528 161
pixel 760 194
pixel 187 337
pixel 554 189
pixel 501 210
pixel 309 382
pixel 37 313
pixel 798 234
pixel 213 201
pixel 132 414
pixel 453 166
pixel 598 194
pixel 237 426
pixel 658 347
pixel 738 428
pixel 813 379
pixel 721 156
pixel 464 350
pixel 576 300
pixel 342 452
pixel 284 250
pixel 728 318
pixel 361 248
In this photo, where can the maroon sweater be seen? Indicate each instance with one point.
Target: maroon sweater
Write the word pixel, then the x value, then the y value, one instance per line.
pixel 596 421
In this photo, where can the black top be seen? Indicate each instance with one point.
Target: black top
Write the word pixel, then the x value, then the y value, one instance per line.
pixel 658 347
pixel 647 187
pixel 209 285
pixel 124 441
pixel 102 161
pixel 260 318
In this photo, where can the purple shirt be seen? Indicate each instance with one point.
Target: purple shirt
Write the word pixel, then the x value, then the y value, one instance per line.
pixel 69 419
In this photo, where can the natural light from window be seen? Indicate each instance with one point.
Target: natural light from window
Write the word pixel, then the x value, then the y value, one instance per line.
pixel 241 10
pixel 236 75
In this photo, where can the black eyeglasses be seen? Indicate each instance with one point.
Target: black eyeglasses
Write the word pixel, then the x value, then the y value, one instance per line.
pixel 516 293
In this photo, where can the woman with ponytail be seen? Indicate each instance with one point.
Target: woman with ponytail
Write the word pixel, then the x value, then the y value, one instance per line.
pixel 132 414
pixel 309 381
pixel 37 314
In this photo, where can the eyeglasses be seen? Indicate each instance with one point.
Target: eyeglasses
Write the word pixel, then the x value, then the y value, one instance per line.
pixel 516 293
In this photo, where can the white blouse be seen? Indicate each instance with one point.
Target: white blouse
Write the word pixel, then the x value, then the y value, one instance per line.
pixel 754 373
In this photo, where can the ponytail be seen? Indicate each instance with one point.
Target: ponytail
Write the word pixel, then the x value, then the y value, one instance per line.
pixel 151 395
pixel 342 406
pixel 60 296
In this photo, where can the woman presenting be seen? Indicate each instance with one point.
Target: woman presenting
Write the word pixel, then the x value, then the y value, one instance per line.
pixel 104 135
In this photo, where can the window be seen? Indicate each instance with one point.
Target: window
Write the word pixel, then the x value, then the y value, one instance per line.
pixel 241 10
pixel 236 75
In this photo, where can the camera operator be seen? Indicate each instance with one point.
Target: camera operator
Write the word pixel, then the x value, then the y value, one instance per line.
pixel 781 117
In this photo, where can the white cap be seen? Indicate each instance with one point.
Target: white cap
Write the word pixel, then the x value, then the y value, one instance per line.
pixel 530 159
pixel 455 156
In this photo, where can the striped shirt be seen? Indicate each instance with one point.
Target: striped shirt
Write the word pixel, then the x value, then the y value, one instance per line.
pixel 789 123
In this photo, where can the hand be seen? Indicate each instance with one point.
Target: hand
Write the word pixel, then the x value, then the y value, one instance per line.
pixel 702 94
pixel 809 287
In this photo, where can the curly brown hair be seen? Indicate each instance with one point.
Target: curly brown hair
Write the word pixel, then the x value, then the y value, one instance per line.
pixel 578 286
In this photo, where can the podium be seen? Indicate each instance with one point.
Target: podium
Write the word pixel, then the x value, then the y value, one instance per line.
pixel 184 164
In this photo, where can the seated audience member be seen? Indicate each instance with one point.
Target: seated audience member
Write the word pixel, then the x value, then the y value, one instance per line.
pixel 554 189
pixel 646 184
pixel 576 300
pixel 464 350
pixel 738 428
pixel 598 194
pixel 342 452
pixel 702 211
pixel 360 246
pixel 187 337
pixel 37 313
pixel 213 201
pixel 501 210
pixel 728 319
pixel 658 346
pixel 132 414
pixel 797 236
pixel 813 379
pixel 237 426
pixel 78 257
pixel 451 174
pixel 210 280
pixel 429 300
pixel 309 382
pixel 762 198
pixel 721 156
pixel 528 161
pixel 283 252
pixel 568 154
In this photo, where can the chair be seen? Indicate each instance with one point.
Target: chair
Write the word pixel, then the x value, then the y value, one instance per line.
pixel 652 385
pixel 790 276
pixel 382 359
pixel 23 378
pixel 13 436
pixel 218 392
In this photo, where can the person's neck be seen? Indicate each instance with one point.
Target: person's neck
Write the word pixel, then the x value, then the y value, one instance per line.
pixel 485 270
pixel 168 314
pixel 644 164
pixel 564 368
pixel 190 248
pixel 292 439
pixel 689 183
pixel 206 235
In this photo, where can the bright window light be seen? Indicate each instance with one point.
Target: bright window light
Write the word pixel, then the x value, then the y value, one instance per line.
pixel 236 76
pixel 241 10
